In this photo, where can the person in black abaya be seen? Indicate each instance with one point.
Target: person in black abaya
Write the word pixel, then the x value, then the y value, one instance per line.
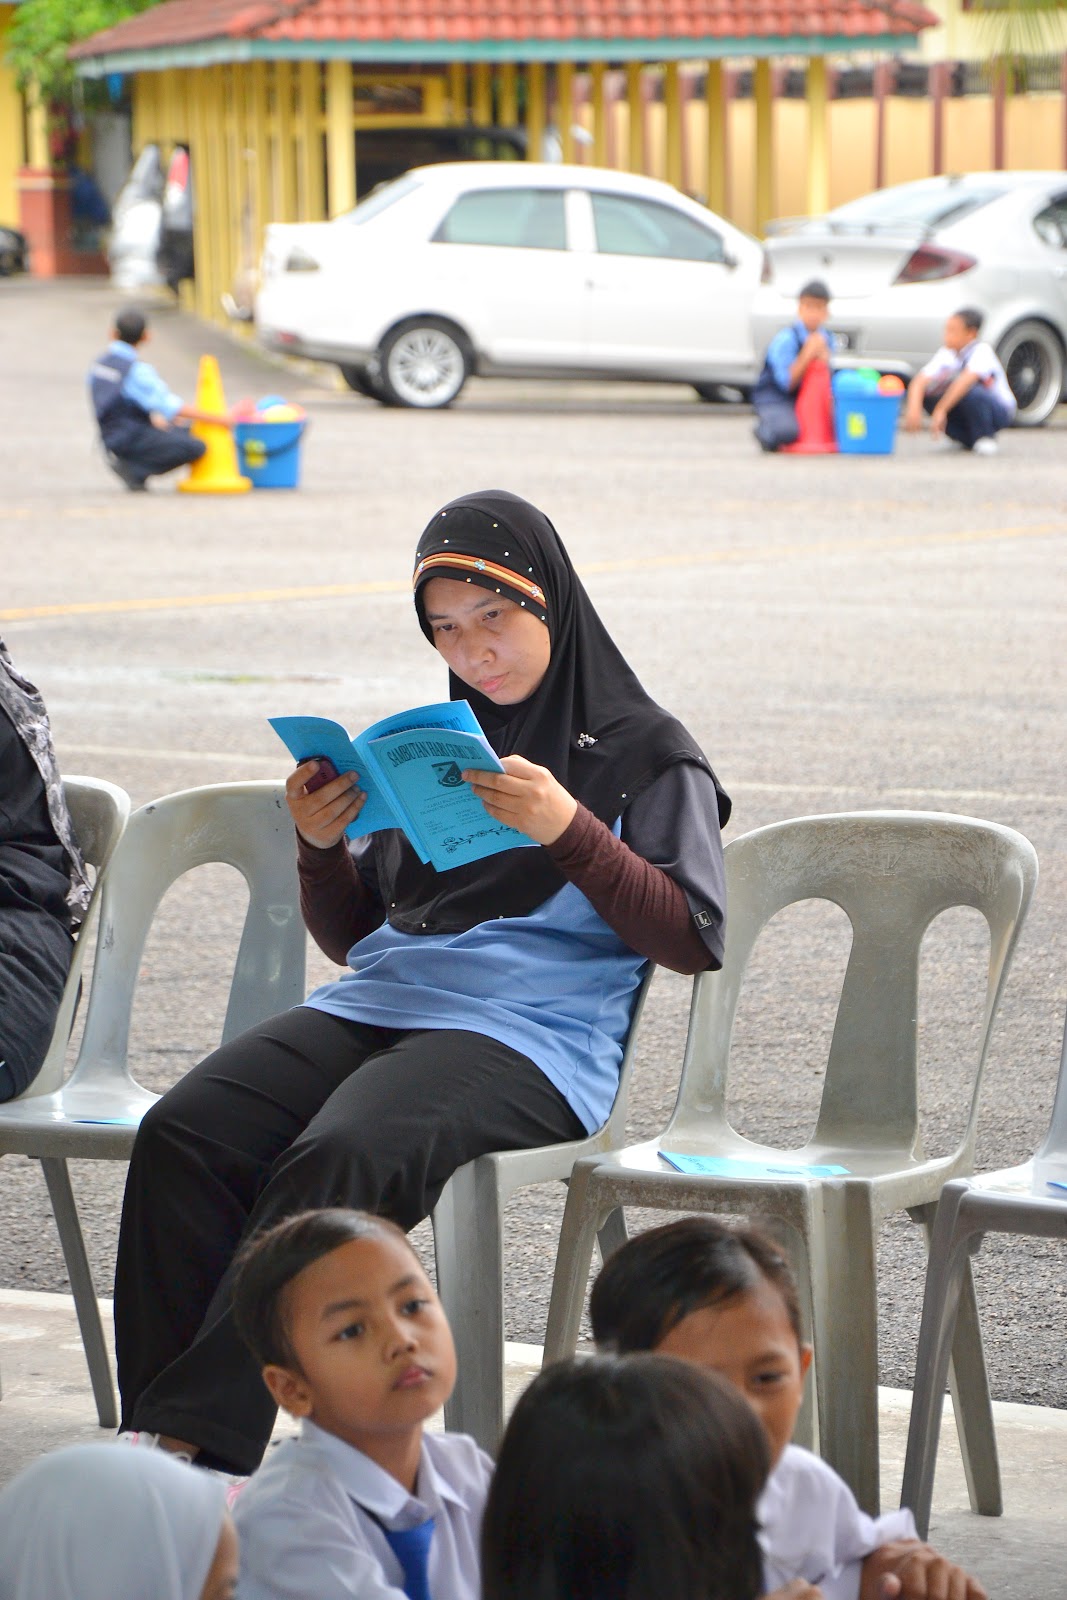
pixel 482 1008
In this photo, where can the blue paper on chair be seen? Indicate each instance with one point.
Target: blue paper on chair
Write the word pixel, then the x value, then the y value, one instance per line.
pixel 735 1167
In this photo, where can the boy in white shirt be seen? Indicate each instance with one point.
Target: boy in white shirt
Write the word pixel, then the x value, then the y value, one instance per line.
pixel 963 387
pixel 726 1299
pixel 352 1340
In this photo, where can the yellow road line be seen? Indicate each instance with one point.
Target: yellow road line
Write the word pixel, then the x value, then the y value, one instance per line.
pixel 684 559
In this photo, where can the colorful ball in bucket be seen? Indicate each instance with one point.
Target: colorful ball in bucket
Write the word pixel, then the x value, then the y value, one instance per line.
pixel 889 383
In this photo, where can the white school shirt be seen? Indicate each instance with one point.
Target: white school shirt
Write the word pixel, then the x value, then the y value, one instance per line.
pixel 307 1524
pixel 978 357
pixel 811 1527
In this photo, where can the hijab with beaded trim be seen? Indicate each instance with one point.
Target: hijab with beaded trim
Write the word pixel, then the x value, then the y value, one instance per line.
pixel 589 721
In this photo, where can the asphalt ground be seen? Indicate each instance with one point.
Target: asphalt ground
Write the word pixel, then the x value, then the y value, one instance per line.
pixel 840 633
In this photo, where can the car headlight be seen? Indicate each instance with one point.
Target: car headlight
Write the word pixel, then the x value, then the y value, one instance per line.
pixel 298 260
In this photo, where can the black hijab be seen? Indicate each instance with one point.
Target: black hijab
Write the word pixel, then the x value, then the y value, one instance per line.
pixel 589 721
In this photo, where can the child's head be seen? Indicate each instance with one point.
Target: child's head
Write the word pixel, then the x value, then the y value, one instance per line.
pixel 336 1308
pixel 723 1297
pixel 624 1477
pixel 130 326
pixel 813 304
pixel 963 327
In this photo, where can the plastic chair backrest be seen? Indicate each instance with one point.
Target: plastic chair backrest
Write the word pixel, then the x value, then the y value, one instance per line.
pixel 246 825
pixel 99 812
pixel 892 873
pixel 1055 1140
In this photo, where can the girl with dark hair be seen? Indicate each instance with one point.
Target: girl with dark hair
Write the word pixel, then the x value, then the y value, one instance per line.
pixel 726 1299
pixel 484 1008
pixel 626 1478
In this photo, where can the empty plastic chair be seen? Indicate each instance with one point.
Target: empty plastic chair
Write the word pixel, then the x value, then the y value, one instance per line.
pixel 95 1114
pixel 892 873
pixel 1030 1199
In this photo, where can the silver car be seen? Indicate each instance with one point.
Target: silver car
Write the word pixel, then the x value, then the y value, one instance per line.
pixel 898 262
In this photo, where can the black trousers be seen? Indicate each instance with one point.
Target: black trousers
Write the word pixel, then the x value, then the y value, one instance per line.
pixel 149 451
pixel 979 415
pixel 306 1110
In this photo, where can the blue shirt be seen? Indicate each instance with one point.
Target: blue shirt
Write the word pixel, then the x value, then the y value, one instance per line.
pixel 556 985
pixel 784 349
pixel 144 386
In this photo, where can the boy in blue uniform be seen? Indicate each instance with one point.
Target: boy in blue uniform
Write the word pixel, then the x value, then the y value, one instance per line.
pixel 789 355
pixel 137 413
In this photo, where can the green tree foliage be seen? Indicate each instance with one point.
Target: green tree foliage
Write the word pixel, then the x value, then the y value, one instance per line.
pixel 42 31
pixel 1014 30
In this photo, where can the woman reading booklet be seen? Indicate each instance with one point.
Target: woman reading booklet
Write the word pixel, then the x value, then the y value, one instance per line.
pixel 483 1007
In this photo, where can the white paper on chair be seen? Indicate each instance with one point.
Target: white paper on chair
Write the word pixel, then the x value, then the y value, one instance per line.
pixel 735 1167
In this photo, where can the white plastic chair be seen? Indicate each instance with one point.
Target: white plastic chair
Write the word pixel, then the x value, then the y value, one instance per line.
pixel 99 812
pixel 94 1115
pixel 892 873
pixel 468 1231
pixel 1016 1200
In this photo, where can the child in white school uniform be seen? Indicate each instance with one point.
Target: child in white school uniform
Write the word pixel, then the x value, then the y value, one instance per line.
pixel 353 1341
pixel 726 1299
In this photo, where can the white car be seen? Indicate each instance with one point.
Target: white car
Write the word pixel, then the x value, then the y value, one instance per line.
pixel 517 270
pixel 901 260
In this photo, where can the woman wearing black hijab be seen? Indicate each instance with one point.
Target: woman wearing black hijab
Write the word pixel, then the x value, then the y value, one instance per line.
pixel 484 1008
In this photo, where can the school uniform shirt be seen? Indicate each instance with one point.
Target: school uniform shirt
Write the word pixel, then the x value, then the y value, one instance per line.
pixel 784 349
pixel 143 385
pixel 978 357
pixel 811 1527
pixel 310 1520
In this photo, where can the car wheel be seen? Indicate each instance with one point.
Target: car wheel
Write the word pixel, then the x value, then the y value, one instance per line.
pixel 1032 357
pixel 727 394
pixel 9 263
pixel 423 364
pixel 359 379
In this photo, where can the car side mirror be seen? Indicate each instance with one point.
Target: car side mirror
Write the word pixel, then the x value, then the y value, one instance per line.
pixel 729 262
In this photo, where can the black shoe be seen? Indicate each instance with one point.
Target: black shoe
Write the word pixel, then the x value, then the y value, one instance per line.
pixel 129 474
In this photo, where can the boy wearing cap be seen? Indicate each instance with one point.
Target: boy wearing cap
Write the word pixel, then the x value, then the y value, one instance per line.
pixel 963 387
pixel 136 412
pixel 789 356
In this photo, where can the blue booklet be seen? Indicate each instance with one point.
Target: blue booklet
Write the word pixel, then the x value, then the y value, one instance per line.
pixel 737 1167
pixel 409 768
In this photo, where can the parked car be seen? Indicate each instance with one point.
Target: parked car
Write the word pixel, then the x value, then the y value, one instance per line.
pixel 518 270
pixel 14 252
pixel 901 260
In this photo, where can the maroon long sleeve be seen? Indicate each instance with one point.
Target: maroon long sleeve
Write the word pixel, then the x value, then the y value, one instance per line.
pixel 641 903
pixel 335 903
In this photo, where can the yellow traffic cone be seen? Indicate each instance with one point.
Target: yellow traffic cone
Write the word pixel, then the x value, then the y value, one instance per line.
pixel 216 472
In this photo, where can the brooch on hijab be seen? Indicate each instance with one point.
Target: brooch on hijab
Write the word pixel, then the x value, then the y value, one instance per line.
pixel 585 740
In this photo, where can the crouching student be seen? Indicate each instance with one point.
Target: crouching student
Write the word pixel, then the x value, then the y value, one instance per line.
pixel 789 356
pixel 963 387
pixel 726 1299
pixel 352 1340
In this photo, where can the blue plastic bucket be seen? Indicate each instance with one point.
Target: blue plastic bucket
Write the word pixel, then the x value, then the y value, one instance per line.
pixel 865 421
pixel 269 453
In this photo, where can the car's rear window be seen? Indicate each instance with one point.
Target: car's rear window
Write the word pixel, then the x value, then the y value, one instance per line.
pixel 922 205
pixel 380 199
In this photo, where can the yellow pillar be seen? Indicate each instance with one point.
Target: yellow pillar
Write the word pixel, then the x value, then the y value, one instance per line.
pixel 457 91
pixel 764 99
pixel 257 128
pixel 508 113
pixel 565 107
pixel 37 152
pixel 482 97
pixel 340 138
pixel 672 95
pixel 715 95
pixel 312 198
pixel 818 137
pixel 635 117
pixel 535 109
pixel 205 218
pixel 284 76
pixel 600 121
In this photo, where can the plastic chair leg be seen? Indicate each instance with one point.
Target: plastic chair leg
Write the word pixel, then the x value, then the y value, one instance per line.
pixel 969 1383
pixel 952 1241
pixel 65 1211
pixel 612 1234
pixel 845 1320
pixel 581 1221
pixel 468 1247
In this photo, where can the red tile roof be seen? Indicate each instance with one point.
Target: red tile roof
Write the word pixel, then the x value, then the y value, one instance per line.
pixel 183 22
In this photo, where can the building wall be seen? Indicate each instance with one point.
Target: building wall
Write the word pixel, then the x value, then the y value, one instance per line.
pixel 10 128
